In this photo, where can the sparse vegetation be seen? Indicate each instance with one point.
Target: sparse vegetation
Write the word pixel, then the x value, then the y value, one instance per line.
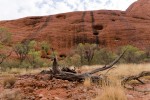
pixel 112 93
pixel 133 54
pixel 5 39
pixel 21 51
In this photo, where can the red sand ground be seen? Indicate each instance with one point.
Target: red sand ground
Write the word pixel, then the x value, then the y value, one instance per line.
pixel 39 87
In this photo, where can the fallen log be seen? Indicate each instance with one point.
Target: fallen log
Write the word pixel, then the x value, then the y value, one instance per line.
pixel 136 77
pixel 70 76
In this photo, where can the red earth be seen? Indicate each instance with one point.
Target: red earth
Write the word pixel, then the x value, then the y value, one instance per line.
pixel 40 87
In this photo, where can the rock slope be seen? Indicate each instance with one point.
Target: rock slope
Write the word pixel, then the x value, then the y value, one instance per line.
pixel 108 28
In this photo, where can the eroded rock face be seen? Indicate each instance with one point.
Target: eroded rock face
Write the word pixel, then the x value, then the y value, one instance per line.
pixel 65 31
pixel 140 9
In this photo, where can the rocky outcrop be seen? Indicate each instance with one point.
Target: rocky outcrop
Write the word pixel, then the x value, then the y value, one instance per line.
pixel 140 9
pixel 108 28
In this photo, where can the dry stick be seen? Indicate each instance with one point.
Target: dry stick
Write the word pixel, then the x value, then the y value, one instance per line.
pixel 79 77
pixel 136 77
pixel 109 70
pixel 107 66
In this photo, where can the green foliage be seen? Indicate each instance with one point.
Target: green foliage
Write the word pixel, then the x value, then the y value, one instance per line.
pixel 86 52
pixel 45 46
pixel 1 46
pixel 103 56
pixel 133 54
pixel 35 58
pixel 5 38
pixel 32 44
pixel 22 51
pixel 28 56
pixel 71 61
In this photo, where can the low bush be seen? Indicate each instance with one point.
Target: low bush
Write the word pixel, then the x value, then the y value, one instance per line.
pixel 103 56
pixel 132 54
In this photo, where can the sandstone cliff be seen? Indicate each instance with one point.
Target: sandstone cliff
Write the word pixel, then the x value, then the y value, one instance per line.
pixel 65 31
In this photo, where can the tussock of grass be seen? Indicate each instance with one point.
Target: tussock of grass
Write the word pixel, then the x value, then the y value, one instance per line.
pixel 9 94
pixel 112 93
pixel 9 82
pixel 114 90
pixel 87 82
pixel 121 70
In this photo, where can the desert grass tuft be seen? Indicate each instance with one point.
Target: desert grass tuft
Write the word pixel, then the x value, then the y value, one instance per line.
pixel 87 82
pixel 112 90
pixel 9 82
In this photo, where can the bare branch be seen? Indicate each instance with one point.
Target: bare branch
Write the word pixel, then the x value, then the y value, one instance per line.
pixel 136 77
pixel 106 66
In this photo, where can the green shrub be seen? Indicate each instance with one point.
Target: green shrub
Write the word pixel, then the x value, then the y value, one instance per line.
pixel 86 52
pixel 8 64
pixel 21 51
pixel 35 58
pixel 103 56
pixel 132 54
pixel 45 46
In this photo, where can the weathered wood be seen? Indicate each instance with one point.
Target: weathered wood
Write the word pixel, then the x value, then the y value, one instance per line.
pixel 55 68
pixel 136 77
pixel 106 66
pixel 66 69
pixel 71 76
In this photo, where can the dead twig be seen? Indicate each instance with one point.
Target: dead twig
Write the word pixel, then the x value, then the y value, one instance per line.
pixel 136 77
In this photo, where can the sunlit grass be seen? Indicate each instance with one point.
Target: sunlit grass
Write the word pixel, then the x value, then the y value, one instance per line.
pixel 121 70
pixel 21 71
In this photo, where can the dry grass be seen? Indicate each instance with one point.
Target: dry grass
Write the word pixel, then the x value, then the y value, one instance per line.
pixel 17 71
pixel 121 70
pixel 112 93
pixel 87 82
pixel 129 69
pixel 9 82
pixel 9 94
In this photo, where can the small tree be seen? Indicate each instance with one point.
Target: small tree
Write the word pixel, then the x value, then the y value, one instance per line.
pixel 80 51
pixel 133 54
pixel 45 47
pixel 34 58
pixel 86 51
pixel 22 51
pixel 103 56
pixel 5 37
pixel 89 52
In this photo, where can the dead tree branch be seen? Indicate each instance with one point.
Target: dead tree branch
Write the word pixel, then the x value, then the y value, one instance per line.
pixel 136 77
pixel 60 74
pixel 106 66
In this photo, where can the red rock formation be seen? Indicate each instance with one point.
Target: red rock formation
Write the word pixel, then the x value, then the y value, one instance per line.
pixel 140 9
pixel 65 31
